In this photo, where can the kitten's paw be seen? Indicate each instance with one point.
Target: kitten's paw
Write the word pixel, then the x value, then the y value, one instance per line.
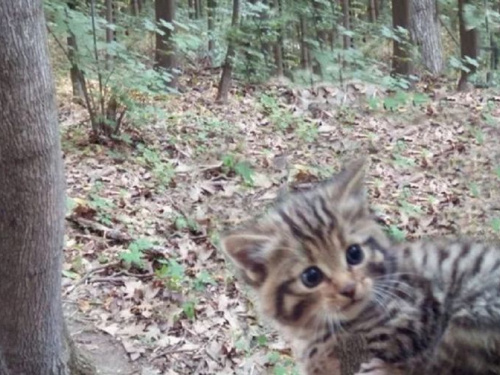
pixel 375 367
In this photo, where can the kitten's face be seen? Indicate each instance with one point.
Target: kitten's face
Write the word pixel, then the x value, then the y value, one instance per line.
pixel 316 258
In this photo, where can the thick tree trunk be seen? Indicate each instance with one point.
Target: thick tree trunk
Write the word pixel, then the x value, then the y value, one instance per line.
pixel 31 198
pixel 401 59
pixel 227 70
pixel 165 48
pixel 426 32
pixel 468 46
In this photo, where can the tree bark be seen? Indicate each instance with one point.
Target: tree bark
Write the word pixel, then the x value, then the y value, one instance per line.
pixel 372 10
pixel 304 47
pixel 211 7
pixel 75 73
pixel 468 46
pixel 198 9
pixel 227 70
pixel 401 59
pixel 346 23
pixel 426 32
pixel 165 48
pixel 32 193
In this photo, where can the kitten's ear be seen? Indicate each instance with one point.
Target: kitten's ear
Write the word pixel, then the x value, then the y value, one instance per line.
pixel 247 251
pixel 351 180
pixel 347 190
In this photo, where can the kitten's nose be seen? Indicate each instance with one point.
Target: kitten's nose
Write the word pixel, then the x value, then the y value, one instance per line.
pixel 348 290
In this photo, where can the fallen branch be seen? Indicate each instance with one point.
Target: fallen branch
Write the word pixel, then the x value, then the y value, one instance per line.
pixel 87 276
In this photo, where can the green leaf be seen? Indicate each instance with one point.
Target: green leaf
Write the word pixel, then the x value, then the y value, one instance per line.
pixel 133 257
pixel 244 170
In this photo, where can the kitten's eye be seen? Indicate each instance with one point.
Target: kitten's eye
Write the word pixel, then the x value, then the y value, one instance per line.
pixel 354 255
pixel 312 277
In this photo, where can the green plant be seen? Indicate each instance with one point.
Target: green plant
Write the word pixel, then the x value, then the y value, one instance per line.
pixel 240 168
pixel 134 255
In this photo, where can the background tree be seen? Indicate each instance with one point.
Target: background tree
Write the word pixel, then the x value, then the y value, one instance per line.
pixel 32 204
pixel 426 33
pixel 227 70
pixel 468 46
pixel 165 46
pixel 401 60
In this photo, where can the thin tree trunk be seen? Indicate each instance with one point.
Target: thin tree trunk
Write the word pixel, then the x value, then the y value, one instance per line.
pixel 134 7
pixel 198 6
pixel 372 10
pixel 211 7
pixel 304 49
pixel 32 193
pixel 346 22
pixel 110 34
pixel 75 74
pixel 191 9
pixel 74 70
pixel 278 44
pixel 227 70
pixel 401 59
pixel 165 48
pixel 468 46
pixel 426 32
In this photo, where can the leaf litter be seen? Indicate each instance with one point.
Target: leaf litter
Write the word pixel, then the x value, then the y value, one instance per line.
pixel 142 264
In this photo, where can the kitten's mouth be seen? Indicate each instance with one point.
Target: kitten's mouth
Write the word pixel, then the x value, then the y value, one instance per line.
pixel 351 304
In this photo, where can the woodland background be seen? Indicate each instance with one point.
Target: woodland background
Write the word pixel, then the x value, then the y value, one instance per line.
pixel 179 119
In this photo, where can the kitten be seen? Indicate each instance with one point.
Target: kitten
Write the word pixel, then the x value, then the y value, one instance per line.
pixel 323 270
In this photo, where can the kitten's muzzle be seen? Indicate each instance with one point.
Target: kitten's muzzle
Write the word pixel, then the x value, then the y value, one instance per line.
pixel 348 290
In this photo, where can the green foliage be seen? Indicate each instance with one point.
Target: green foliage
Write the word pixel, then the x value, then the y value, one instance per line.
pixel 158 164
pixel 116 77
pixel 240 168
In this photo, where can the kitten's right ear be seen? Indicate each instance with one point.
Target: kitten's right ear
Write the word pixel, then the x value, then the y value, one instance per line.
pixel 247 251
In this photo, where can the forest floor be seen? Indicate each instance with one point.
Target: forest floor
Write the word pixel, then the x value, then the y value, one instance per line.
pixel 146 289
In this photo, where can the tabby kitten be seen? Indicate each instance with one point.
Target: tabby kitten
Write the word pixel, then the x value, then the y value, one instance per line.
pixel 323 269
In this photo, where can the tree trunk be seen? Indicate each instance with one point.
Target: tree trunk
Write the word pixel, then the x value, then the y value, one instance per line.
pixel 32 193
pixel 372 10
pixel 346 23
pixel 165 48
pixel 401 59
pixel 74 70
pixel 134 7
pixel 304 49
pixel 211 7
pixel 227 70
pixel 426 32
pixel 198 9
pixel 191 9
pixel 468 46
pixel 110 34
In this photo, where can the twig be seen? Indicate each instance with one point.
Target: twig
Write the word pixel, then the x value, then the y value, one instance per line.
pixel 87 276
pixel 172 351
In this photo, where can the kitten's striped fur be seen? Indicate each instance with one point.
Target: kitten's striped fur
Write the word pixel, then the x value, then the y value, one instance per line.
pixel 431 307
